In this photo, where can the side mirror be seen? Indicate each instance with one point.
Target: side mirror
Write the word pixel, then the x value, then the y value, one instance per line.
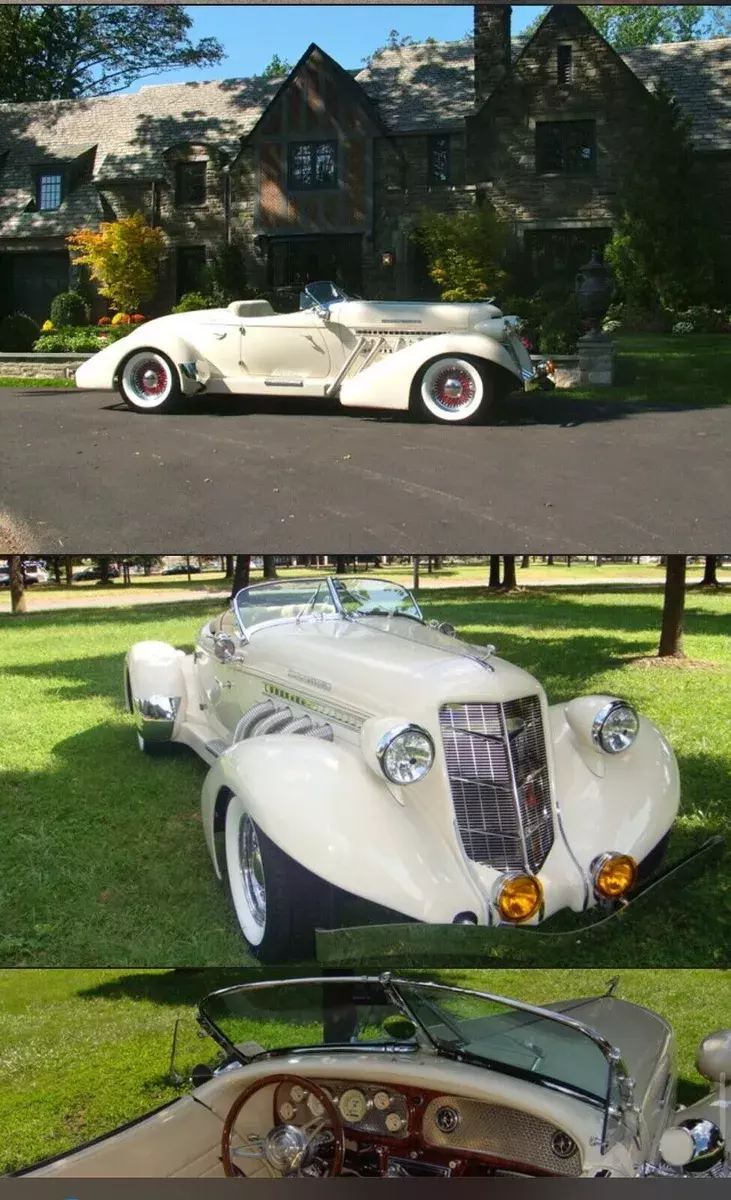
pixel 224 647
pixel 200 1074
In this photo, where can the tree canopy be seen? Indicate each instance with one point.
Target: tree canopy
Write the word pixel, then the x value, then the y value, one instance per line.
pixel 628 25
pixel 65 52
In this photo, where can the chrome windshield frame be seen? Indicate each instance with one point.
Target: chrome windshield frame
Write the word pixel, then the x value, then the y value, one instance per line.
pixel 317 581
pixel 392 986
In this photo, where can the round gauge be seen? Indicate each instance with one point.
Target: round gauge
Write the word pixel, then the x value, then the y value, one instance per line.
pixel 297 1093
pixel 382 1101
pixel 316 1107
pixel 563 1145
pixel 286 1111
pixel 394 1123
pixel 447 1119
pixel 353 1105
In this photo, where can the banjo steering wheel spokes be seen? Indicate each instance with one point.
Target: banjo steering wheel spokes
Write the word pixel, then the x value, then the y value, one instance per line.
pixel 289 1148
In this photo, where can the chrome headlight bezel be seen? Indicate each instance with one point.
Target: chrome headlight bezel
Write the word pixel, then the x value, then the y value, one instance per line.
pixel 601 720
pixel 386 744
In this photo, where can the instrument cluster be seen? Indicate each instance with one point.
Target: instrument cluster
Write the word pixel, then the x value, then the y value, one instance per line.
pixel 371 1108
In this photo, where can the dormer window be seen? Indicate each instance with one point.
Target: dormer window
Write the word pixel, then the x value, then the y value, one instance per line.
pixel 190 184
pixel 564 65
pixel 49 190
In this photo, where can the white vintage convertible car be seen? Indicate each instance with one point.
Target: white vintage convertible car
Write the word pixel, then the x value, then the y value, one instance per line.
pixel 384 1077
pixel 444 362
pixel 356 748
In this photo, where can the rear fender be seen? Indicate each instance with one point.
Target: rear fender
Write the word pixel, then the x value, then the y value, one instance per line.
pixel 102 371
pixel 387 384
pixel 155 689
pixel 324 807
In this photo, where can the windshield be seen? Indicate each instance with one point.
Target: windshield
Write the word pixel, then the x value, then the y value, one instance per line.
pixel 549 1049
pixel 322 294
pixel 375 598
pixel 280 601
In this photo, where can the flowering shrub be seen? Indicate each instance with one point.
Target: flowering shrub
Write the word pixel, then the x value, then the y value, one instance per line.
pixel 104 321
pixel 121 318
pixel 82 339
pixel 527 343
pixel 683 327
pixel 137 318
pixel 611 326
pixel 122 257
pixel 47 327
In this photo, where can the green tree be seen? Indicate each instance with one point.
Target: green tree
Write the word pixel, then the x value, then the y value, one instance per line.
pixel 276 67
pixel 61 52
pixel 463 252
pixel 122 257
pixel 628 25
pixel 664 248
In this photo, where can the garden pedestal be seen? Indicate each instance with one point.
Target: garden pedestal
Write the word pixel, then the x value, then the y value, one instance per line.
pixel 596 359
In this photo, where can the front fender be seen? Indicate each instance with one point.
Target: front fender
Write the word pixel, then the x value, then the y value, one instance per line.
pixel 322 805
pixel 101 371
pixel 155 689
pixel 387 384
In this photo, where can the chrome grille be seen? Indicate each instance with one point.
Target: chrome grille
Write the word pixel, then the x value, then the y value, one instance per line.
pixel 498 775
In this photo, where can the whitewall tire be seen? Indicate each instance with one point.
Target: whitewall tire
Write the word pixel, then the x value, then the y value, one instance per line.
pixel 453 390
pixel 278 904
pixel 148 382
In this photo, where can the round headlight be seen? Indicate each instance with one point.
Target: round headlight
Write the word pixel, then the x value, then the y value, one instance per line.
pixel 519 897
pixel 406 754
pixel 614 875
pixel 615 727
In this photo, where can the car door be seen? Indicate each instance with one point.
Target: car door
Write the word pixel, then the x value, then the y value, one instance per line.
pixel 217 339
pixel 286 346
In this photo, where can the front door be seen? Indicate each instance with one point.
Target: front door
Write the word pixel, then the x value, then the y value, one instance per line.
pixel 35 279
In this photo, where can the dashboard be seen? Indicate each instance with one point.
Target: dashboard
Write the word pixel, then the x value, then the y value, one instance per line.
pixel 423 1131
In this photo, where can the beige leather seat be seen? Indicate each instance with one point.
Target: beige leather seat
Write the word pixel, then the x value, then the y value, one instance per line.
pixel 251 308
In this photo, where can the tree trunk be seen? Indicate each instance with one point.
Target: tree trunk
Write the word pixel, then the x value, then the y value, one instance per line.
pixel 187 566
pixel 341 564
pixel 438 562
pixel 270 571
pixel 17 585
pixel 126 577
pixel 671 633
pixel 549 560
pixel 525 561
pixel 710 578
pixel 228 566
pixel 57 569
pixel 510 582
pixel 494 578
pixel 104 561
pixel 241 572
pixel 68 569
pixel 417 563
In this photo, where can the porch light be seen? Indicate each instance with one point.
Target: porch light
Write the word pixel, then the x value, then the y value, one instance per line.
pixel 388 258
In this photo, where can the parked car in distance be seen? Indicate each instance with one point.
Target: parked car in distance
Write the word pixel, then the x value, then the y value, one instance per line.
pixel 87 573
pixel 443 362
pixel 386 1077
pixel 35 572
pixel 356 747
pixel 182 569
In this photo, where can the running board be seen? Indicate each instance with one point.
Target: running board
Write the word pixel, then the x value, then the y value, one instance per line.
pixel 216 747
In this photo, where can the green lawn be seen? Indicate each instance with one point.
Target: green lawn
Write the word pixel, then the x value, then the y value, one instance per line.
pixel 37 383
pixel 81 1052
pixel 103 859
pixel 662 370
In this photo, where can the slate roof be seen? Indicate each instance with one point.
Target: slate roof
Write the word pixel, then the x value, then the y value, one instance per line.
pixel 413 88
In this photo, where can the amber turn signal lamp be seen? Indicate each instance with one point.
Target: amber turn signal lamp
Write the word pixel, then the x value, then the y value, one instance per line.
pixel 519 898
pixel 614 875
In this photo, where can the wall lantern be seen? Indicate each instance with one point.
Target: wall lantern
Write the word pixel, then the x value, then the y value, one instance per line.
pixel 388 258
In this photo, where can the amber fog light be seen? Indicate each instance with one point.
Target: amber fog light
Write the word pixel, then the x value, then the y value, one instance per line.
pixel 614 875
pixel 519 897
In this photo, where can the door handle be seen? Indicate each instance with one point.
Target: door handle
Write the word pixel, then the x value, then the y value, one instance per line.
pixel 223 683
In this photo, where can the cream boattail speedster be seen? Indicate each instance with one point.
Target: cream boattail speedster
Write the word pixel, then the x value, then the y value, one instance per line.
pixel 355 747
pixel 444 362
pixel 370 1077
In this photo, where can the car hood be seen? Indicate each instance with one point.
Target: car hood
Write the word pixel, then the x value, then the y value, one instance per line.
pixel 415 316
pixel 642 1037
pixel 385 666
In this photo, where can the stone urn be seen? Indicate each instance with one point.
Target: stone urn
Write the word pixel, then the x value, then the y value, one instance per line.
pixel 594 293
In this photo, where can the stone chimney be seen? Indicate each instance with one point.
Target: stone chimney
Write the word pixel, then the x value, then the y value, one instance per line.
pixel 492 48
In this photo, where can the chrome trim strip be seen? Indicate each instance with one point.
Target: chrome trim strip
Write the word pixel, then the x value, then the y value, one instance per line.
pixel 330 388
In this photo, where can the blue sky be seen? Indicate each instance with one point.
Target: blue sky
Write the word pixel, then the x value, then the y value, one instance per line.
pixel 253 33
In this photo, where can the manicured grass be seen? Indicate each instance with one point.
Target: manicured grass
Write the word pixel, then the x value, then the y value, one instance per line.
pixel 103 860
pixel 662 370
pixel 37 383
pixel 82 1052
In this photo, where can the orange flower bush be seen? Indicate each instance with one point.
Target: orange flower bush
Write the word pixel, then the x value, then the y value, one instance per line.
pixel 122 258
pixel 104 321
pixel 121 318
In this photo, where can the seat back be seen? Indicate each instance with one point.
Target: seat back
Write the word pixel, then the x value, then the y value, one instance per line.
pixel 251 308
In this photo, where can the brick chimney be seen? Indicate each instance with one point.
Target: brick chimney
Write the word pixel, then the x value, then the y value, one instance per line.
pixel 492 48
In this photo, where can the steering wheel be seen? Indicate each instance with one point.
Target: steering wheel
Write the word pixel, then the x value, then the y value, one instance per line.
pixel 287 1149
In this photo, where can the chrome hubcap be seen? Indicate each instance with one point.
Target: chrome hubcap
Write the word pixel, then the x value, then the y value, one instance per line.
pixel 452 389
pixel 252 872
pixel 149 379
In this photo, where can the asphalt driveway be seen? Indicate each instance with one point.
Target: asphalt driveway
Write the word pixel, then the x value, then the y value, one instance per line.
pixel 81 473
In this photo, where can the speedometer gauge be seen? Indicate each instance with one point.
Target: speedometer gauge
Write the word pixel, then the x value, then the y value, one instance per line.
pixel 316 1107
pixel 353 1105
pixel 382 1101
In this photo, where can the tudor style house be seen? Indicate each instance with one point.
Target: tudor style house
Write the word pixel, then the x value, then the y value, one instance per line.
pixel 324 173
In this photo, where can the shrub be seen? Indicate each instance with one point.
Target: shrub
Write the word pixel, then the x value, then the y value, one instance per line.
pixel 68 309
pixel 121 318
pixel 104 321
pixel 684 327
pixel 703 318
pixel 83 340
pixel 18 332
pixel 137 319
pixel 193 302
pixel 47 327
pixel 462 252
pixel 123 257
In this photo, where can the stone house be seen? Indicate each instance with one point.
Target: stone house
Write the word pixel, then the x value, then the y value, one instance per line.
pixel 324 173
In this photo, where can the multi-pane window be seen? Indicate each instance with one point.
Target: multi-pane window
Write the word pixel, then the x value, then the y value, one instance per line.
pixel 567 147
pixel 438 162
pixel 313 165
pixel 190 184
pixel 564 64
pixel 49 191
